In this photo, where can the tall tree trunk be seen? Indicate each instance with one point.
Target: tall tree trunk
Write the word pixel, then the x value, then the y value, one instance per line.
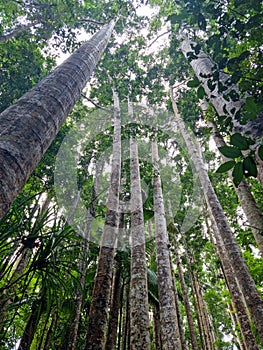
pixel 126 320
pixel 140 328
pixel 97 323
pixel 235 293
pixel 168 317
pixel 30 125
pixel 31 326
pixel 186 299
pixel 247 201
pixel 178 312
pixel 50 332
pixel 204 69
pixel 115 308
pixel 245 280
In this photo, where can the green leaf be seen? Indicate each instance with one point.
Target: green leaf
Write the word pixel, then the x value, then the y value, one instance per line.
pixel 239 141
pixel 230 152
pixel 237 174
pixel 200 92
pixel 193 83
pixel 225 166
pixel 251 107
pixel 250 167
pixel 260 152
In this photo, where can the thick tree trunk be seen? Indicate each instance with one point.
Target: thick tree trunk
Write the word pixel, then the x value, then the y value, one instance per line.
pixel 30 125
pixel 245 280
pixel 247 201
pixel 186 299
pixel 168 316
pixel 204 68
pixel 97 324
pixel 140 328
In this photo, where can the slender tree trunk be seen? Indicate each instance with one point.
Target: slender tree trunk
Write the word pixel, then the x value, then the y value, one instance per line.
pixel 97 324
pixel 247 201
pixel 168 317
pixel 31 326
pixel 157 328
pixel 126 320
pixel 204 69
pixel 235 322
pixel 30 125
pixel 50 332
pixel 235 293
pixel 115 308
pixel 140 328
pixel 186 299
pixel 245 280
pixel 178 312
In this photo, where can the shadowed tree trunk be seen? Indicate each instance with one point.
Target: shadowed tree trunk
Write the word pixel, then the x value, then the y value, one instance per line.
pixel 30 125
pixel 186 299
pixel 168 316
pixel 245 280
pixel 157 337
pixel 97 323
pixel 140 328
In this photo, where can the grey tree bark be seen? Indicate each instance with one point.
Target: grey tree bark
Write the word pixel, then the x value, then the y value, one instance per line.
pixel 30 125
pixel 245 280
pixel 140 327
pixel 168 316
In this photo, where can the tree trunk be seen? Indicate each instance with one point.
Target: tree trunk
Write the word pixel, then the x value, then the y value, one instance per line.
pixel 235 293
pixel 140 328
pixel 114 310
pixel 31 326
pixel 247 201
pixel 97 323
pixel 168 317
pixel 204 69
pixel 50 332
pixel 245 280
pixel 30 125
pixel 157 328
pixel 178 312
pixel 126 320
pixel 186 299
